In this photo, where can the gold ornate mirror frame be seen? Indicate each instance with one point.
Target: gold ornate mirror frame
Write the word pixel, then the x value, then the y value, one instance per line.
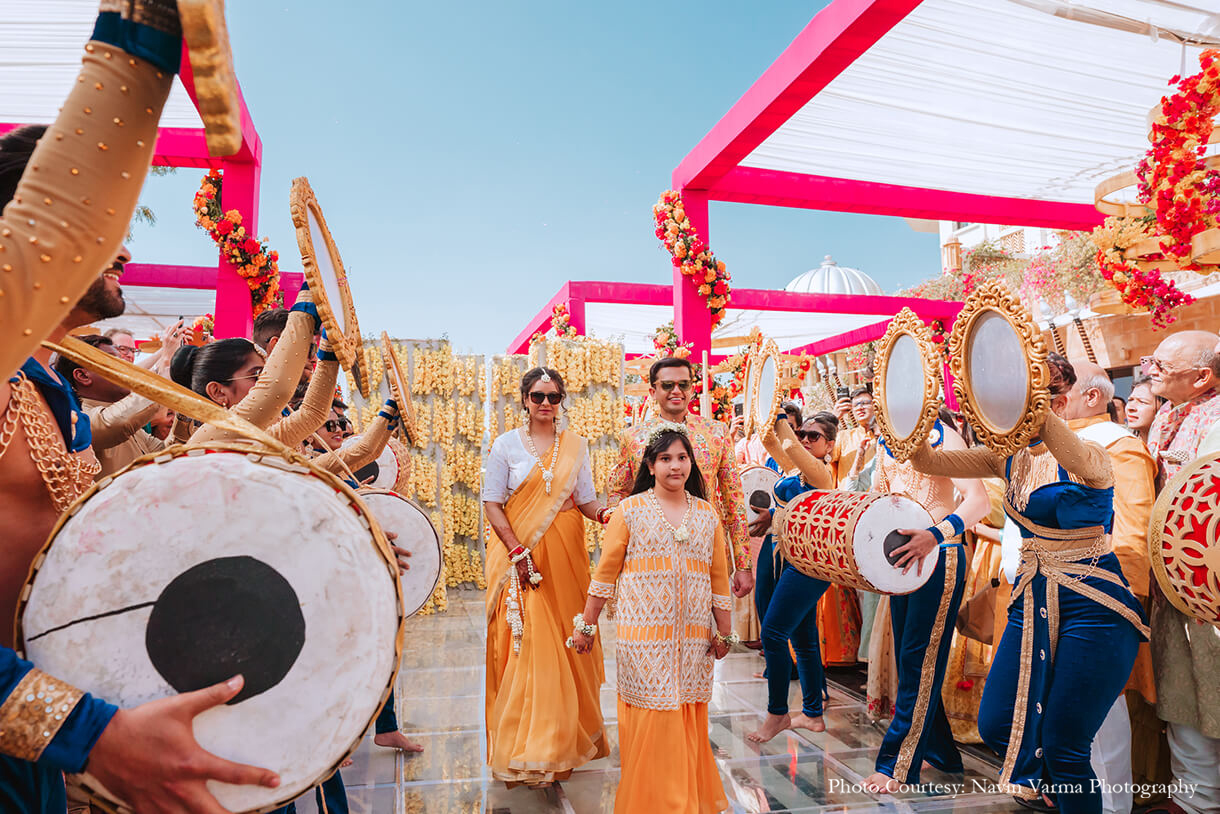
pixel 907 323
pixel 345 342
pixel 994 298
pixel 400 391
pixel 772 400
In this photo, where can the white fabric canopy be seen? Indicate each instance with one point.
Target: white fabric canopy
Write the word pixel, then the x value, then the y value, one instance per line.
pixel 997 97
pixel 150 310
pixel 41 45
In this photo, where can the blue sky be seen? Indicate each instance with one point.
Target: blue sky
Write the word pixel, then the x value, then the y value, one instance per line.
pixel 471 159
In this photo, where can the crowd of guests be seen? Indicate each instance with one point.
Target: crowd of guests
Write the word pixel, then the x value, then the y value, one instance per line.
pixel 1160 730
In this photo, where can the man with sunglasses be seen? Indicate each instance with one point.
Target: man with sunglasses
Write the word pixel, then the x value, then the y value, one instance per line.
pixel 1184 370
pixel 671 386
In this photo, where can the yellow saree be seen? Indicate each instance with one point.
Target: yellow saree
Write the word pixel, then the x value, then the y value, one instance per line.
pixel 543 703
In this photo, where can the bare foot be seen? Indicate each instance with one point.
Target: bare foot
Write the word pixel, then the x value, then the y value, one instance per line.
pixel 772 726
pixel 879 783
pixel 346 763
pixel 760 674
pixel 812 723
pixel 397 740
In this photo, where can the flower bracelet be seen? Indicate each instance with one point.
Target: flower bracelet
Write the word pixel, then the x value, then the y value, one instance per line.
pixel 579 625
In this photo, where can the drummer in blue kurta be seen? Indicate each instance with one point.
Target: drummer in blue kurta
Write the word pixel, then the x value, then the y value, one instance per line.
pixel 1073 625
pixel 922 621
pixel 788 607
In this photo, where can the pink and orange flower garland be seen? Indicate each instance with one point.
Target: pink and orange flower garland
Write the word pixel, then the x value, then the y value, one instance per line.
pixel 250 257
pixel 691 254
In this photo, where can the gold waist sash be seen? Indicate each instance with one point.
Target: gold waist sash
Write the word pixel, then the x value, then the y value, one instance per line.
pixel 1058 555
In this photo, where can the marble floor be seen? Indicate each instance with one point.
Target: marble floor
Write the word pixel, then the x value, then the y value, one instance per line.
pixel 440 704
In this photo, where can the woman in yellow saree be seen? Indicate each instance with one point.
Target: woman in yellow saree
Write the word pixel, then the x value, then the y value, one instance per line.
pixel 543 700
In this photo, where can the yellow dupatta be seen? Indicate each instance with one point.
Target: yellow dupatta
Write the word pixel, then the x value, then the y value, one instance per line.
pixel 531 511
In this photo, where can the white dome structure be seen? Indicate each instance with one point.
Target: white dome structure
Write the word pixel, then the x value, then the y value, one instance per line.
pixel 831 278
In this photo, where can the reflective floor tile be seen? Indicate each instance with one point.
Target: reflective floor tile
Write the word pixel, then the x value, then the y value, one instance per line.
pixel 449 756
pixel 779 783
pixel 441 714
pixel 439 682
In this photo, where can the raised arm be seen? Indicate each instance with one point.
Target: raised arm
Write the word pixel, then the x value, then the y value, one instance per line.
pixel 367 447
pixel 294 428
pixel 1084 459
pixel 783 440
pixel 72 207
pixel 264 404
pixel 115 423
pixel 975 462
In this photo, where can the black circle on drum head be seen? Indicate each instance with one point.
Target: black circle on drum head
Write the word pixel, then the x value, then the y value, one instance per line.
pixel 893 541
pixel 224 617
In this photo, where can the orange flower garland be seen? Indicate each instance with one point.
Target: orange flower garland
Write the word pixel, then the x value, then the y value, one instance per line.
pixel 691 254
pixel 561 321
pixel 1174 178
pixel 249 256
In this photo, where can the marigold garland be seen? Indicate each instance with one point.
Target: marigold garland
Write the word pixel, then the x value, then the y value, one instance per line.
pixel 1174 179
pixel 691 254
pixel 1142 290
pixel 249 256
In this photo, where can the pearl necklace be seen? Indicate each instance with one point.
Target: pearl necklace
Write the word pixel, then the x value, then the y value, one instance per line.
pixel 548 472
pixel 681 533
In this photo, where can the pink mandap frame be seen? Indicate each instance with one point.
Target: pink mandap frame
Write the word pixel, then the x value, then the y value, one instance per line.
pixel 187 147
pixel 711 171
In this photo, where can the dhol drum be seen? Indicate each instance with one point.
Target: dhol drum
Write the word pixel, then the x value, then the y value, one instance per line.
pixel 846 537
pixel 757 483
pixel 1001 377
pixel 1184 539
pixel 416 534
pixel 236 561
pixel 385 471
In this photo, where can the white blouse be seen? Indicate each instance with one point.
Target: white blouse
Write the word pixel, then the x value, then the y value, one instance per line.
pixel 509 464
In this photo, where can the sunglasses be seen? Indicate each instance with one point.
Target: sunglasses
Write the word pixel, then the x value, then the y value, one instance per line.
pixel 809 435
pixel 1149 363
pixel 538 397
pixel 668 386
pixel 254 374
pixel 336 425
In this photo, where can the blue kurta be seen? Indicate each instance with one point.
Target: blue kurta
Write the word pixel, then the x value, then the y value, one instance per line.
pixel 1054 679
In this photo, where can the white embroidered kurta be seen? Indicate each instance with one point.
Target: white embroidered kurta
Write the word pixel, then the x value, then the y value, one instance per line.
pixel 665 594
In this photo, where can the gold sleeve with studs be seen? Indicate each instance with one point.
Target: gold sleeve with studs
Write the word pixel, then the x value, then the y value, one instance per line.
pixel 33 713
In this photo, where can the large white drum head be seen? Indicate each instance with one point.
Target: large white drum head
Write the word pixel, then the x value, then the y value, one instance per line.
pixel 417 535
pixel 758 482
pixel 182 574
pixel 384 470
pixel 868 543
pixel 765 397
pixel 998 371
pixel 328 273
pixel 904 385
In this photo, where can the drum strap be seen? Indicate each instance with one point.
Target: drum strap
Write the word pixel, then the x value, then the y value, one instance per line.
pixel 1060 556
